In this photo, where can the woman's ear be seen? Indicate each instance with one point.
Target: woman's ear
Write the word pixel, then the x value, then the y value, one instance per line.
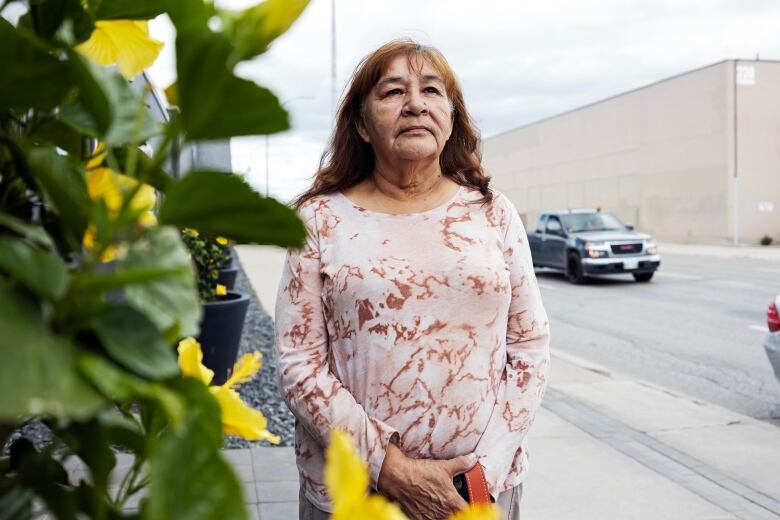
pixel 361 130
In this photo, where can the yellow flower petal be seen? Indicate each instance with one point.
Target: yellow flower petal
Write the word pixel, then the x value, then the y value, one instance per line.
pixel 104 183
pixel 147 219
pixel 375 507
pixel 240 419
pixel 100 47
pixel 222 241
pixel 97 157
pixel 221 290
pixel 478 512
pixel 125 42
pixel 191 232
pixel 109 254
pixel 244 369
pixel 346 475
pixel 101 184
pixel 191 361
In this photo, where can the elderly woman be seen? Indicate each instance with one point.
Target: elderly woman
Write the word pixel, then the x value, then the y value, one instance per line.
pixel 411 318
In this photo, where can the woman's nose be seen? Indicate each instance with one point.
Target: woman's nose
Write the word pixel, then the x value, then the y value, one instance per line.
pixel 415 104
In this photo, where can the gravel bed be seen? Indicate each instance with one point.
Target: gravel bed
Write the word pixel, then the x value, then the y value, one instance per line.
pixel 262 392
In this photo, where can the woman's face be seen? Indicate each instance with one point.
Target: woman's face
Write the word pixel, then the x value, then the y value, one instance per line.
pixel 407 115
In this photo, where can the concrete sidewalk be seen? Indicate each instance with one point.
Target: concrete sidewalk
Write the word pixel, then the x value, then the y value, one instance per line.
pixel 769 253
pixel 603 446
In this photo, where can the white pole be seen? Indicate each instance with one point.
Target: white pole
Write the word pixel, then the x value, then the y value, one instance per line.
pixel 736 157
pixel 333 95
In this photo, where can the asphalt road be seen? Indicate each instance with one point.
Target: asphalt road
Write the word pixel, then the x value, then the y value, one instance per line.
pixel 697 328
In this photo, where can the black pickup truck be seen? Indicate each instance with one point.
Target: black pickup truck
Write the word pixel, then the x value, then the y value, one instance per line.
pixel 592 242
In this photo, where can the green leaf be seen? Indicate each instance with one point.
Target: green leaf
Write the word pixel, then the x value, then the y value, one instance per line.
pixel 64 189
pixel 133 341
pixel 252 30
pixel 194 450
pixel 183 13
pixel 89 440
pixel 131 120
pixel 41 271
pixel 146 170
pixel 50 15
pixel 170 301
pixel 215 104
pixel 45 475
pixel 90 112
pixel 118 385
pixel 16 503
pixel 56 132
pixel 31 231
pixel 223 204
pixel 38 374
pixel 106 107
pixel 31 77
pixel 129 9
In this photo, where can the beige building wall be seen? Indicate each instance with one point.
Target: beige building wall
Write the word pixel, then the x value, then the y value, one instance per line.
pixel 661 157
pixel 758 151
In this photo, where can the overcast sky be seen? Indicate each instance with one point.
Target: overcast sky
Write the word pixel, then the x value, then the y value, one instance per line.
pixel 517 61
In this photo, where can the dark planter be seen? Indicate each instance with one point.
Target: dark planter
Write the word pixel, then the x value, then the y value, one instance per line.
pixel 227 276
pixel 220 333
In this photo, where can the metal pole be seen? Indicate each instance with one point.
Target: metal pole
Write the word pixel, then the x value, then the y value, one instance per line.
pixel 735 180
pixel 333 96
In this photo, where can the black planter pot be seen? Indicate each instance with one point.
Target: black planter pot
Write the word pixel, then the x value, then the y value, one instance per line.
pixel 227 276
pixel 220 333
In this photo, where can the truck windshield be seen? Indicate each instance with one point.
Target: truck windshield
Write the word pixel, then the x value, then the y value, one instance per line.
pixel 601 221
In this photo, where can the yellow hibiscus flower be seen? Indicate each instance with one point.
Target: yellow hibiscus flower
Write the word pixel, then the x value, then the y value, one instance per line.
pixel 237 418
pixel 124 42
pixel 110 186
pixel 346 477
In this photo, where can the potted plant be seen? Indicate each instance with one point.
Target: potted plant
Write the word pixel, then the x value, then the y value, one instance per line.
pixel 229 269
pixel 224 310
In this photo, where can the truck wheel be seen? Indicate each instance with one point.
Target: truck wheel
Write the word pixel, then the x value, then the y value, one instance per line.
pixel 643 277
pixel 574 268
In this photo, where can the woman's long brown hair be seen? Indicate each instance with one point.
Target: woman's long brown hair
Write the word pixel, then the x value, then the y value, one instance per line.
pixel 349 159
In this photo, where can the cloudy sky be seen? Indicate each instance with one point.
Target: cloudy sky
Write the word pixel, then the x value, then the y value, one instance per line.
pixel 517 61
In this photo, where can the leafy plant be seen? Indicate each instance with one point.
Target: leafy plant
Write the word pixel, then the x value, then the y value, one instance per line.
pixel 209 254
pixel 95 289
pixel 766 240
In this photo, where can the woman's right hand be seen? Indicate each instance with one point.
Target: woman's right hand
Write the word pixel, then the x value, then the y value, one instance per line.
pixel 423 488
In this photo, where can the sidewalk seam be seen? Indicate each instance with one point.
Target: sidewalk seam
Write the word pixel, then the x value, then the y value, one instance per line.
pixel 690 473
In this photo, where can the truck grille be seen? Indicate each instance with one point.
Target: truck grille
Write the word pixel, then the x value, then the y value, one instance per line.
pixel 626 249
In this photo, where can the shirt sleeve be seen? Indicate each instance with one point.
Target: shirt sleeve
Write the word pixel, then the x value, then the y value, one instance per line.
pixel 524 380
pixel 314 394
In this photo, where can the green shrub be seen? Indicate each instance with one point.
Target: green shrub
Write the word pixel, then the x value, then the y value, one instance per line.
pixel 94 290
pixel 766 240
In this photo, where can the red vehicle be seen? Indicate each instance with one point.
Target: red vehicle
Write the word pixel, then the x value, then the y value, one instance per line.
pixel 772 340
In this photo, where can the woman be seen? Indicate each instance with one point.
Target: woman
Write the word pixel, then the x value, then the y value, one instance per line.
pixel 411 318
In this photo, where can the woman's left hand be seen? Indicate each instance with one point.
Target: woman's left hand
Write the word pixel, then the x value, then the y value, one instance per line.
pixel 423 487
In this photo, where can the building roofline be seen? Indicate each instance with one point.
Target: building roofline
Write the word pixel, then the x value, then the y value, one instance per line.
pixel 614 96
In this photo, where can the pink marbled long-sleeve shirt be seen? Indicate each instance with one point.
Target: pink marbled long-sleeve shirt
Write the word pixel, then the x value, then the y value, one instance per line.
pixel 425 327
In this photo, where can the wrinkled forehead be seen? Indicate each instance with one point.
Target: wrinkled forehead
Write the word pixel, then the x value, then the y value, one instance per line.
pixel 417 63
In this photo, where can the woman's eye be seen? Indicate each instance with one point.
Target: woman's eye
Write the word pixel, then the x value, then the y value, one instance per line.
pixel 431 90
pixel 394 91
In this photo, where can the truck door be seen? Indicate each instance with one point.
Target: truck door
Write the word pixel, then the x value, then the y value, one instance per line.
pixel 554 247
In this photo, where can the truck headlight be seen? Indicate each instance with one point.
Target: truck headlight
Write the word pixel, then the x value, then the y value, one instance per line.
pixel 596 249
pixel 651 247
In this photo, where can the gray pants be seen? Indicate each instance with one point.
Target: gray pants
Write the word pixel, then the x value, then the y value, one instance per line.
pixel 508 501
